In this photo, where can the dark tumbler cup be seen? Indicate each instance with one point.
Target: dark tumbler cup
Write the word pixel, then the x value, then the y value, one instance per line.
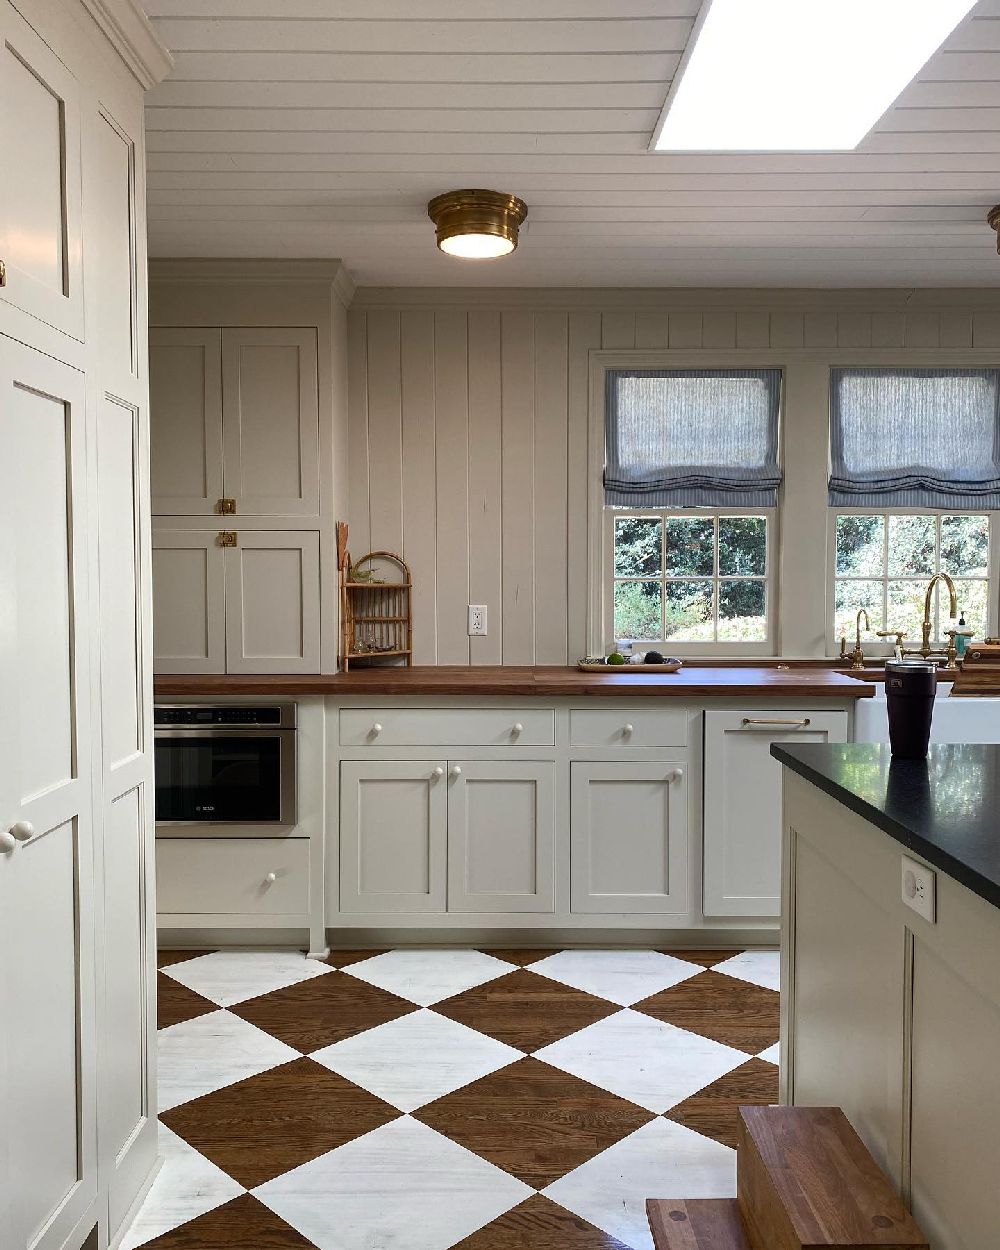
pixel 910 687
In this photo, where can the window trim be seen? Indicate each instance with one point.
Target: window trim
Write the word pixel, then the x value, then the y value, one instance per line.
pixel 879 648
pixel 678 648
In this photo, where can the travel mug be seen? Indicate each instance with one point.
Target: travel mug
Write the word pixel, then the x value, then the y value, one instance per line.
pixel 910 687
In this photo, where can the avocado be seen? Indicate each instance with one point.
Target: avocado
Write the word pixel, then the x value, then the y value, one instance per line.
pixel 653 657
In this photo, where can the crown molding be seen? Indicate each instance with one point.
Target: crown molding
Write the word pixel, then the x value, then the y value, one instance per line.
pixel 250 271
pixel 134 38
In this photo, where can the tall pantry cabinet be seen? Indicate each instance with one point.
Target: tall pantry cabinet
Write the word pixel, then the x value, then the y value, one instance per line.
pixel 77 1081
pixel 247 417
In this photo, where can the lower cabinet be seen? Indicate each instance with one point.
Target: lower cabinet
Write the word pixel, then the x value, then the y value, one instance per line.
pixel 629 835
pixel 232 876
pixel 439 835
pixel 742 866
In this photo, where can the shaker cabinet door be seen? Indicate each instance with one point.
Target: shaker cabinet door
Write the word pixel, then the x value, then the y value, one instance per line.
pixel 189 602
pixel 272 602
pixel 185 421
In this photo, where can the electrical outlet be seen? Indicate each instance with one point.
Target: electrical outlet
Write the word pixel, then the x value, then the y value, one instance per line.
pixel 919 888
pixel 477 620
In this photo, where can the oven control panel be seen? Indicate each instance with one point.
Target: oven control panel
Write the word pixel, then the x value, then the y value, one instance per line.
pixel 200 715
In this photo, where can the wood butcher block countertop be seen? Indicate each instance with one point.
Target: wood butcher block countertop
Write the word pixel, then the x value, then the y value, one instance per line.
pixel 755 681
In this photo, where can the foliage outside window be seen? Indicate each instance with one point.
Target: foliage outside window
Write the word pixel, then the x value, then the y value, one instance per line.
pixel 694 578
pixel 883 562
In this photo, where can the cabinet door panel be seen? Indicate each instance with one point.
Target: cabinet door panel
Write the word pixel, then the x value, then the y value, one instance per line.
pixel 271 421
pixel 272 602
pixel 629 837
pixel 501 837
pixel 743 804
pixel 393 836
pixel 40 194
pixel 189 602
pixel 185 421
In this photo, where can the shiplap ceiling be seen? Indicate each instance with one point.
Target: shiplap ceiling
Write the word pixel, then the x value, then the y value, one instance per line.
pixel 320 128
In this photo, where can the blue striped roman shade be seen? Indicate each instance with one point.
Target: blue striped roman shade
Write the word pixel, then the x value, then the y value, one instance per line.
pixel 923 438
pixel 692 437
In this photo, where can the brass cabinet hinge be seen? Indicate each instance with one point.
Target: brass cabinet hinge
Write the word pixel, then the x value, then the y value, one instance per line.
pixel 226 507
pixel 227 538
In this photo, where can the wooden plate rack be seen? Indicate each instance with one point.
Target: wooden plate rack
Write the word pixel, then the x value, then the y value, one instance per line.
pixel 376 617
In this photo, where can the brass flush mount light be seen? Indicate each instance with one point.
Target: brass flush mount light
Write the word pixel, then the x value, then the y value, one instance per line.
pixel 993 221
pixel 477 225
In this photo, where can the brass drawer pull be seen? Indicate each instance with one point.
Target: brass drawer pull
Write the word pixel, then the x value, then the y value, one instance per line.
pixel 750 720
pixel 226 507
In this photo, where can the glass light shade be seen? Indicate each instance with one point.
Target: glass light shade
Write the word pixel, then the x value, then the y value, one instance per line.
pixel 476 246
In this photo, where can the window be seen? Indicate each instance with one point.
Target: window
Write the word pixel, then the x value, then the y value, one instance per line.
pixel 692 577
pixel 883 562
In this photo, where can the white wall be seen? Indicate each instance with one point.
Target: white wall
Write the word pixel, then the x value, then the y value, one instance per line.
pixel 468 415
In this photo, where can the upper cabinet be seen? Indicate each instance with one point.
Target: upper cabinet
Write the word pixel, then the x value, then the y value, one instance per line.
pixel 235 422
pixel 40 190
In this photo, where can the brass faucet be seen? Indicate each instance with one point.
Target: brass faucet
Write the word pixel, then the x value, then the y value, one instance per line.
pixel 925 649
pixel 858 655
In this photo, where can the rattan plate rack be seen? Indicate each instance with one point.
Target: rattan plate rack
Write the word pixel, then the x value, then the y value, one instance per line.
pixel 376 610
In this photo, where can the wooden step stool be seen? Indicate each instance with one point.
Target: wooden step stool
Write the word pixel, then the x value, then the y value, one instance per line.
pixel 804 1180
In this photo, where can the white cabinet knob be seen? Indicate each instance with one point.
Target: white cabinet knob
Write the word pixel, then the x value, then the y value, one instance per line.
pixel 456 771
pixel 7 842
pixel 675 774
pixel 23 830
pixel 627 731
pixel 271 878
pixel 376 729
pixel 518 728
pixel 437 772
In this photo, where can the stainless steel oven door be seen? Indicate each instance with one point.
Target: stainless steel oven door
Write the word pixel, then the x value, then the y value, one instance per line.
pixel 225 775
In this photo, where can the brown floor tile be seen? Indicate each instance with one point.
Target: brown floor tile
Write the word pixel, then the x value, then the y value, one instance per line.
pixel 539 1224
pixel 712 1111
pixel 521 957
pixel 322 1010
pixel 534 1121
pixel 243 1224
pixel 723 1008
pixel 340 959
pixel 165 958
pixel 268 1124
pixel 707 958
pixel 525 1009
pixel 175 1002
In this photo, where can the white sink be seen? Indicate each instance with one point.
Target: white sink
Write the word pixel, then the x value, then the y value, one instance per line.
pixel 955 720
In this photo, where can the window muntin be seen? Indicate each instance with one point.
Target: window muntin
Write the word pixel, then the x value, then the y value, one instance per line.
pixel 691 577
pixel 884 560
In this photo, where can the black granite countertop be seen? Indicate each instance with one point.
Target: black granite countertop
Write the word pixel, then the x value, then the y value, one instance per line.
pixel 945 808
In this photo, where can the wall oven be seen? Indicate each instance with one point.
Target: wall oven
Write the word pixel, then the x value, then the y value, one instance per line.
pixel 224 765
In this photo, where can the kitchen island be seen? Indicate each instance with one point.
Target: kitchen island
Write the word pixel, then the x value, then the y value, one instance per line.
pixel 891 966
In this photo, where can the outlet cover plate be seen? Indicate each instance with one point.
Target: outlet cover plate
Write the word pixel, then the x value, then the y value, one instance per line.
pixel 477 620
pixel 920 888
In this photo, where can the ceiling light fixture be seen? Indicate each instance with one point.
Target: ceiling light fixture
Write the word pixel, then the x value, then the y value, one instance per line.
pixel 797 75
pixel 477 225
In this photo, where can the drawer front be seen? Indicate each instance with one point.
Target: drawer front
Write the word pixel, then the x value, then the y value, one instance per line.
pixel 445 727
pixel 628 727
pixel 232 876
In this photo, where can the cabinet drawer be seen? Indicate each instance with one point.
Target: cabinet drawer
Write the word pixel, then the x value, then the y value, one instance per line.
pixel 231 875
pixel 486 727
pixel 628 727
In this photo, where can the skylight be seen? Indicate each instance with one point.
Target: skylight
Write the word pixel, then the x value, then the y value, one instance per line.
pixel 798 75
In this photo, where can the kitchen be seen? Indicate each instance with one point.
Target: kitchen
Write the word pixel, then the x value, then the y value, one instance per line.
pixel 440 639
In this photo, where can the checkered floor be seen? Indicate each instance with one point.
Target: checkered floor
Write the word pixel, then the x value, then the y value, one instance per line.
pixel 425 1099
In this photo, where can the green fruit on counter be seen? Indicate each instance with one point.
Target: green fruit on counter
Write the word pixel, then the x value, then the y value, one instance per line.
pixel 616 657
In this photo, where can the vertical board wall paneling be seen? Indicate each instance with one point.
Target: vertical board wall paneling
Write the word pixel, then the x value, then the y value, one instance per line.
pixel 956 329
pixel 517 365
pixel 451 389
pixel 923 329
pixel 685 331
pixel 618 329
pixel 385 459
pixel 419 454
pixel 550 486
pixel 888 329
pixel 584 335
pixel 651 329
pixel 986 329
pixel 786 329
pixel 718 330
pixel 854 329
pixel 359 513
pixel 485 486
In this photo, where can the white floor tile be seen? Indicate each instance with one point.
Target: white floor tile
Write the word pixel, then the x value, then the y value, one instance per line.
pixel 623 977
pixel 757 967
pixel 771 1054
pixel 402 1186
pixel 415 1059
pixel 659 1160
pixel 186 1186
pixel 227 977
pixel 428 976
pixel 198 1056
pixel 647 1061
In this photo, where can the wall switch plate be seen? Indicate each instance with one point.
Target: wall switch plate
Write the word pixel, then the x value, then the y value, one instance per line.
pixel 477 620
pixel 920 888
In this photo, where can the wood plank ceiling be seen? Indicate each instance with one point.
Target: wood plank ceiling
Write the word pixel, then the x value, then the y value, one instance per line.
pixel 321 128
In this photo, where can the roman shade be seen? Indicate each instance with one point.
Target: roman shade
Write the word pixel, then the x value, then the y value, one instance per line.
pixel 692 437
pixel 925 438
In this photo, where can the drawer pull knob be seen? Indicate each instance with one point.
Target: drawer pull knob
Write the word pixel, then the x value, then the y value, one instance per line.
pixel 456 771
pixel 376 729
pixel 518 728
pixel 627 731
pixel 675 774
pixel 8 842
pixel 271 878
pixel 22 830
pixel 437 772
